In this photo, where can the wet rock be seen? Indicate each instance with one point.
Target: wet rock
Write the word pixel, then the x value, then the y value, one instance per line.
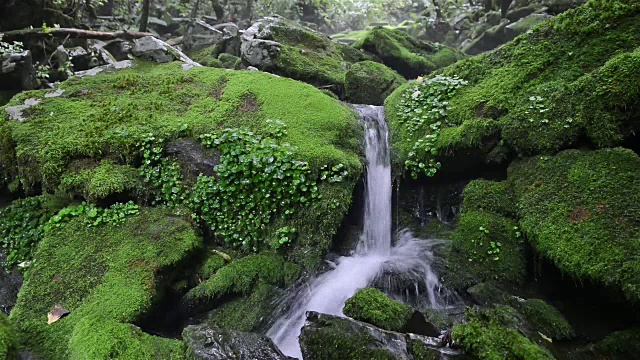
pixel 212 343
pixel 10 283
pixel 17 71
pixel 193 158
pixel 331 337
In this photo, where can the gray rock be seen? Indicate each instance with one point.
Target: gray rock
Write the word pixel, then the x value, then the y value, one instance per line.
pixel 15 112
pixel 125 64
pixel 193 158
pixel 260 53
pixel 201 35
pixel 212 343
pixel 10 283
pixel 154 49
pixel 17 71
pixel 119 49
pixel 327 336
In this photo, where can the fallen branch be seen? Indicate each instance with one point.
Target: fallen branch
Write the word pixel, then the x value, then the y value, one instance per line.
pixel 74 33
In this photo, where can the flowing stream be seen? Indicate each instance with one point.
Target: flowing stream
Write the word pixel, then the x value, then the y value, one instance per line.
pixel 402 270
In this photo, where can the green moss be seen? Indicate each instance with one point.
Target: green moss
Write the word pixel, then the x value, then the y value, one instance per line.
pixel 108 273
pixel 375 307
pixel 486 294
pixel 580 209
pixel 621 344
pixel 567 82
pixel 438 317
pixel 240 277
pixel 368 82
pixel 485 247
pixel 229 61
pixel 246 313
pixel 8 340
pixel 338 339
pixel 99 338
pixel 210 266
pixel 421 352
pixel 207 56
pixel 545 319
pixel 99 182
pixel 490 335
pixel 490 196
pixel 408 56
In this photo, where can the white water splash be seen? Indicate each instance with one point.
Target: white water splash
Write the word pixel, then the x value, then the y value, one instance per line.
pixel 375 260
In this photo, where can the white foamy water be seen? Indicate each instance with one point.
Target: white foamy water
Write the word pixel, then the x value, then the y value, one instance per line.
pixel 374 261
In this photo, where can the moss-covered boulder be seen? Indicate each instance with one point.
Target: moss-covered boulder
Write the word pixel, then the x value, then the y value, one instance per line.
pixel 285 48
pixel 621 345
pixel 572 80
pixel 580 209
pixel 369 82
pixel 544 318
pixel 8 340
pixel 493 334
pixel 137 114
pixel 408 56
pixel 375 307
pixel 107 276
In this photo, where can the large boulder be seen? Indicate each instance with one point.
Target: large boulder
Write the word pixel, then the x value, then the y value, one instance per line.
pixel 213 343
pixel 369 82
pixel 17 71
pixel 330 337
pixel 406 55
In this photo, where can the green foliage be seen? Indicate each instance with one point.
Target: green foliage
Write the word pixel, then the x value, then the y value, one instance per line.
pixel 8 340
pixel 490 196
pixel 92 215
pixel 545 319
pixel 580 209
pixel 408 56
pixel 10 48
pixel 101 274
pixel 490 334
pixel 621 344
pixel 368 82
pixel 22 225
pixel 375 307
pixel 486 246
pixel 421 113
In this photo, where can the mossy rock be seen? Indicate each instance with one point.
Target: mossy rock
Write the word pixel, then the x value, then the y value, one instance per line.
pixel 406 55
pixel 229 61
pixel 368 82
pixel 489 196
pixel 8 340
pixel 544 318
pixel 493 334
pixel 242 277
pixel 107 277
pixel 57 149
pixel 568 82
pixel 580 210
pixel 487 294
pixel 621 345
pixel 376 308
pixel 485 247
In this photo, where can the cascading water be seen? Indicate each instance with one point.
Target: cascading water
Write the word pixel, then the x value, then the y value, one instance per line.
pixel 375 261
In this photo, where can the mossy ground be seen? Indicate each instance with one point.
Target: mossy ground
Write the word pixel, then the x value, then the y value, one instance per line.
pixel 106 277
pixel 376 308
pixel 570 82
pixel 368 82
pixel 406 55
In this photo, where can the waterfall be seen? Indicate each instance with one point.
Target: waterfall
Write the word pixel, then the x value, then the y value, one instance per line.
pixel 402 270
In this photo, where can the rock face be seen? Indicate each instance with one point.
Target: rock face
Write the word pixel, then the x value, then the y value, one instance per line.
pixel 17 72
pixel 10 283
pixel 154 49
pixel 212 343
pixel 331 337
pixel 201 35
pixel 193 158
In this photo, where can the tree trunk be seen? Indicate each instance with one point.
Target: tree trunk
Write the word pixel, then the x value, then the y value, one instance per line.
pixel 144 18
pixel 219 10
pixel 504 7
pixel 20 35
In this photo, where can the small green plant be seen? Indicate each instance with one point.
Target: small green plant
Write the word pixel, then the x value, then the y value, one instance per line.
pixel 284 236
pixel 9 48
pixel 93 215
pixel 21 228
pixel 537 109
pixel 423 112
